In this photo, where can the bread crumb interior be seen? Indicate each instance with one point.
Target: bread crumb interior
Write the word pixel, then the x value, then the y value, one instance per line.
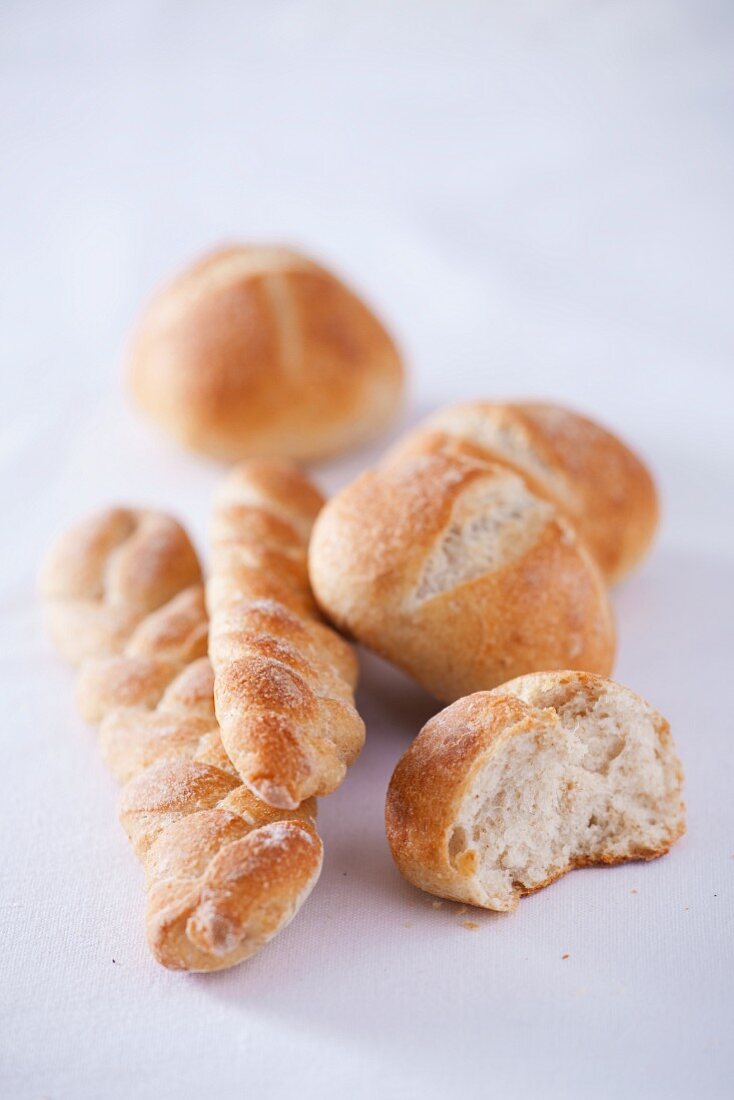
pixel 595 782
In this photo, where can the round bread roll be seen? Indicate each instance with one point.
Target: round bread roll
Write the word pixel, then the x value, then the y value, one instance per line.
pixel 507 790
pixel 261 352
pixel 460 575
pixel 589 474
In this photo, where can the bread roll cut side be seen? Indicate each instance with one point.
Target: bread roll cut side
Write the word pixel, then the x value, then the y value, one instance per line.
pixel 505 791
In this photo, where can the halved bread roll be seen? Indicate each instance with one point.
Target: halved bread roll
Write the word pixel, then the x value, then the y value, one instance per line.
pixel 507 790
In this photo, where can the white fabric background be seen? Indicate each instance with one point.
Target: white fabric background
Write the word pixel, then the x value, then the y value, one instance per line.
pixel 537 196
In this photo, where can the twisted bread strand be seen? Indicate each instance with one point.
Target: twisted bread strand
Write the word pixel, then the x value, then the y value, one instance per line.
pixel 283 680
pixel 157 650
pixel 224 871
pixel 105 574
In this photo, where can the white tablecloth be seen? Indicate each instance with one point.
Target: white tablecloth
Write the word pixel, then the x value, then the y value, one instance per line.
pixel 538 199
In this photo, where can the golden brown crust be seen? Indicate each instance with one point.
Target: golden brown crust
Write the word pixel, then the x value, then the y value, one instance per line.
pixel 104 575
pixel 161 646
pixel 391 564
pixel 284 681
pixel 433 777
pixel 251 889
pixel 225 871
pixel 594 478
pixel 132 740
pixel 259 351
pixel 430 780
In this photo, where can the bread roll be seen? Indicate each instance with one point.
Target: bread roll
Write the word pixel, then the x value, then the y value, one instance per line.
pixel 459 574
pixel 588 473
pixel 261 352
pixel 505 791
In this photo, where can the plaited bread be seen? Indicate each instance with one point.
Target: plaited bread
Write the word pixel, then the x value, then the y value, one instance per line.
pixel 178 724
pixel 588 473
pixel 284 681
pixel 104 575
pixel 159 648
pixel 505 791
pixel 455 571
pixel 225 872
pixel 261 352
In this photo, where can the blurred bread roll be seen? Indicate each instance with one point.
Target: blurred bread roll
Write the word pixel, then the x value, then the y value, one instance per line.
pixel 588 473
pixel 262 352
pixel 454 570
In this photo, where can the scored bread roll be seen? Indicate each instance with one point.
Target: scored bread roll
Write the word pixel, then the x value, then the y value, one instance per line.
pixel 455 571
pixel 507 790
pixel 262 352
pixel 224 871
pixel 588 473
pixel 283 680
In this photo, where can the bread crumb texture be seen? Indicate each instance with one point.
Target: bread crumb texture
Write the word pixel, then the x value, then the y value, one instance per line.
pixel 547 773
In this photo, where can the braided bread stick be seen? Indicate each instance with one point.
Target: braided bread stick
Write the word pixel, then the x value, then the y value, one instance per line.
pixel 283 680
pixel 225 872
pixel 107 573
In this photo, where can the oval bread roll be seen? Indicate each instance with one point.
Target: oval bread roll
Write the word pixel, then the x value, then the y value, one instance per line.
pixel 589 474
pixel 261 352
pixel 455 571
pixel 505 791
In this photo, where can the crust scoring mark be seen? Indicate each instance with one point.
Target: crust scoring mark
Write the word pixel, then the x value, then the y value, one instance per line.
pixel 496 430
pixel 493 523
pixel 290 343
